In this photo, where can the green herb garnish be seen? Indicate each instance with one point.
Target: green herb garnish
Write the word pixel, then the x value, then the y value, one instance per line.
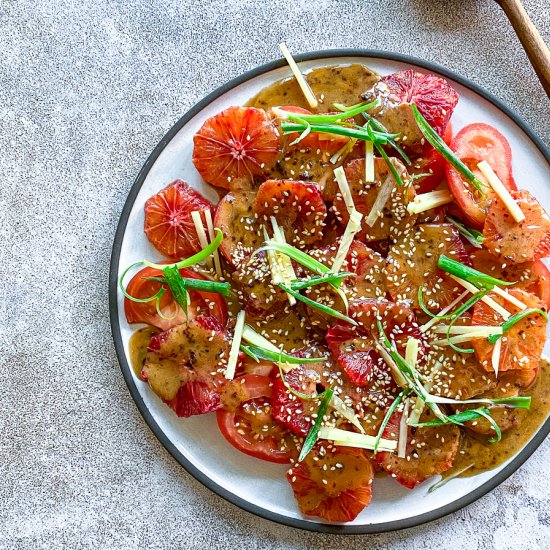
pixel 300 284
pixel 317 305
pixel 177 287
pixel 509 323
pixel 279 357
pixel 311 437
pixel 469 274
pixel 444 150
pixel 192 260
pixel 474 237
pixel 198 284
pixel 387 417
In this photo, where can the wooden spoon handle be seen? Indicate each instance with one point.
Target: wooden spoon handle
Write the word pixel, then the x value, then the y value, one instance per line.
pixel 529 36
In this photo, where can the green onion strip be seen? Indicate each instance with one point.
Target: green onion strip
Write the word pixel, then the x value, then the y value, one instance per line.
pixel 317 305
pixel 313 433
pixel 474 237
pixel 508 324
pixel 444 150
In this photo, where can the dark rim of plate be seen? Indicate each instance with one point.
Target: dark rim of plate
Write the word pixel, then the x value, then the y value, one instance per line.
pixel 310 525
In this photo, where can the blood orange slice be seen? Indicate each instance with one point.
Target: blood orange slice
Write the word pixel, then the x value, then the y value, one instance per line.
pixel 522 343
pixel 168 222
pixel 526 241
pixel 429 451
pixel 240 142
pixel 334 483
pixel 297 206
pixel 433 95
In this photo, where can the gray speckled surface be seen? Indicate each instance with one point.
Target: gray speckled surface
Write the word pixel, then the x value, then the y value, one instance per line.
pixel 87 90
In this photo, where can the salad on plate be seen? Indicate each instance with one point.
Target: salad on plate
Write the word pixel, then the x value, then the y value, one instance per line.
pixel 367 298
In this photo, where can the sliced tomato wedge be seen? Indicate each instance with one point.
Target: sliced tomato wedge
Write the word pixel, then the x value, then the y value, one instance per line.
pixel 201 303
pixel 412 263
pixel 534 277
pixel 474 143
pixel 184 366
pixel 334 483
pixel 430 451
pixel 432 163
pixel 168 222
pixel 514 242
pixel 239 142
pixel 250 426
pixel 297 206
pixel 522 344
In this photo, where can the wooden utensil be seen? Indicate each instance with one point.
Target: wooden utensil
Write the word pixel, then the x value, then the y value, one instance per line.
pixel 529 36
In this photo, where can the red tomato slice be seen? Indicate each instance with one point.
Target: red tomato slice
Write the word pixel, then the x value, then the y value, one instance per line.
pixel 431 162
pixel 250 427
pixel 168 222
pixel 334 483
pixel 474 143
pixel 201 303
pixel 240 142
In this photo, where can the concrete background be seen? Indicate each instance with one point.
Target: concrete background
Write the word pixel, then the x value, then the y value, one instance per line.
pixel 87 89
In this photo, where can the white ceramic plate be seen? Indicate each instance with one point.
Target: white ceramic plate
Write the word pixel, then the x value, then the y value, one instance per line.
pixel 261 487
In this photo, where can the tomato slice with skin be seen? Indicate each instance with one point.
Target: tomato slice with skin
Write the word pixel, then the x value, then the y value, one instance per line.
pixel 239 142
pixel 431 162
pixel 334 483
pixel 168 222
pixel 250 427
pixel 201 303
pixel 473 144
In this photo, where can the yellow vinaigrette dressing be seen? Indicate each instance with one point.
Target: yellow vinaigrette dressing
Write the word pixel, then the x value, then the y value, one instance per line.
pixel 486 456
